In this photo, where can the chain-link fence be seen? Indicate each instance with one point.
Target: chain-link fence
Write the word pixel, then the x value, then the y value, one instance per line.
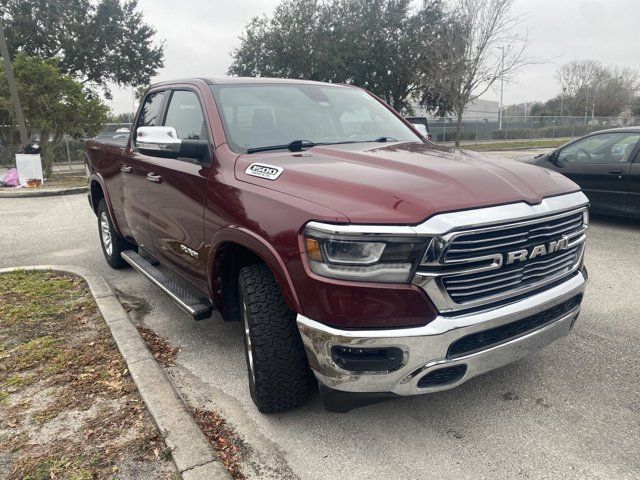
pixel 68 153
pixel 523 128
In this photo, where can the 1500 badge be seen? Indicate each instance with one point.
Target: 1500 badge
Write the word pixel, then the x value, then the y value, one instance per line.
pixel 262 170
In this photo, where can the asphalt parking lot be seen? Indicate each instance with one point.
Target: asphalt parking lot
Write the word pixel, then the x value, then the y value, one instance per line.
pixel 571 411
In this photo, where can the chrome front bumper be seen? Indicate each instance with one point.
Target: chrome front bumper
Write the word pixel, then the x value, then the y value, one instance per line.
pixel 425 348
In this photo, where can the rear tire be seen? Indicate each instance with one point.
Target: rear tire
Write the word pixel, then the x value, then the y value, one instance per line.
pixel 110 240
pixel 277 364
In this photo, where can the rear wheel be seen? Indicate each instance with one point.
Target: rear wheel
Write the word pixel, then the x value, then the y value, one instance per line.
pixel 112 243
pixel 276 361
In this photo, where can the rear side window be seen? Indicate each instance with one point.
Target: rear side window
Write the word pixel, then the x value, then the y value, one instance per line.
pixel 150 115
pixel 186 116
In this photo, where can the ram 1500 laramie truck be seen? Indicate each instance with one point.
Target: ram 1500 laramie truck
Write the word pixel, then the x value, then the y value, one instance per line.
pixel 349 247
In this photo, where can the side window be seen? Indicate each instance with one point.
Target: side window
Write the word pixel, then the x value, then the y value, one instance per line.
pixel 603 148
pixel 151 110
pixel 185 115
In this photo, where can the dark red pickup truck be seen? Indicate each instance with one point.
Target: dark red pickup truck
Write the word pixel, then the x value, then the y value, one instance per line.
pixel 347 245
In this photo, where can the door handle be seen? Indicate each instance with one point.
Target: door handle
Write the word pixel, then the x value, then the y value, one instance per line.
pixel 615 172
pixel 126 169
pixel 152 177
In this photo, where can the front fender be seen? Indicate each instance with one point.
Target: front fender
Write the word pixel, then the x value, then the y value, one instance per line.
pixel 262 248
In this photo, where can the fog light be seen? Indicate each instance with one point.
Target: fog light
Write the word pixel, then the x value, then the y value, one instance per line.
pixel 361 360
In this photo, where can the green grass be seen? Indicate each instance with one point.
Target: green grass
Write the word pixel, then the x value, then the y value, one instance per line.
pixel 32 298
pixel 514 145
pixel 66 181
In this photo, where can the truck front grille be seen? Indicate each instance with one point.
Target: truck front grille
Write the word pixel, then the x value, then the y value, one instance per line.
pixel 468 247
pixel 466 288
pixel 493 263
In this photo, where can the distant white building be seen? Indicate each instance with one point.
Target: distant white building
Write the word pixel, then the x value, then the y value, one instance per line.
pixel 477 109
pixel 482 109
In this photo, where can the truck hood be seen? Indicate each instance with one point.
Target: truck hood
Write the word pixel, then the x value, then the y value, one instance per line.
pixel 402 183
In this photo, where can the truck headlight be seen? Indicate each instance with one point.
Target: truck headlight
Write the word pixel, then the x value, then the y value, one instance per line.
pixel 365 258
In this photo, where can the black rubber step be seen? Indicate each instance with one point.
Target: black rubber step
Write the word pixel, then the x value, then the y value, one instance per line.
pixel 198 308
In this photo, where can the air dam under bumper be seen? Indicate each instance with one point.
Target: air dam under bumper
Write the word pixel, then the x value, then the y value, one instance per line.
pixel 426 349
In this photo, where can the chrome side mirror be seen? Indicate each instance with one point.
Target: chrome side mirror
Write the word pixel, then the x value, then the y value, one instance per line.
pixel 164 142
pixel 157 140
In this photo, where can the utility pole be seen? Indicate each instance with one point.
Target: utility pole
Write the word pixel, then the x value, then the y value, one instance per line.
pixel 501 89
pixel 564 89
pixel 13 90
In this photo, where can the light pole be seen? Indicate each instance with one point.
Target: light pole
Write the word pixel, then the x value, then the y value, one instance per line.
pixel 501 90
pixel 13 90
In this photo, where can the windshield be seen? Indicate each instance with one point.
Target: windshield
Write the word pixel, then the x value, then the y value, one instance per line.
pixel 256 116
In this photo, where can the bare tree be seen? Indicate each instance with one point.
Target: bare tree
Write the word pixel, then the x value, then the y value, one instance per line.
pixel 577 80
pixel 481 47
pixel 593 89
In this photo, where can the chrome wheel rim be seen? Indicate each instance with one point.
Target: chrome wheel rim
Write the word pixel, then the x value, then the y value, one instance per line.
pixel 247 339
pixel 105 233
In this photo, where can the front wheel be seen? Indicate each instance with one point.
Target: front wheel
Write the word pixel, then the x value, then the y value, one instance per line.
pixel 112 243
pixel 276 360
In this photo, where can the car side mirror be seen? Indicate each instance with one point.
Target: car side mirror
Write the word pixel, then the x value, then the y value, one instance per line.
pixel 164 142
pixel 554 158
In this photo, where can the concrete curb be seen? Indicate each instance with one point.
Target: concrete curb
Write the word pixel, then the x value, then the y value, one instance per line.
pixel 31 193
pixel 193 455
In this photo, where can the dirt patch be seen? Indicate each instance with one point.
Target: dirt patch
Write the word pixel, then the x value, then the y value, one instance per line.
pixel 68 407
pixel 223 439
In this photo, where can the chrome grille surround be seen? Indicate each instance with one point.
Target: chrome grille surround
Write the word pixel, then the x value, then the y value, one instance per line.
pixel 469 267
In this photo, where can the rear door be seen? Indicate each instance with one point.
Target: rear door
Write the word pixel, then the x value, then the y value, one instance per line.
pixel 601 165
pixel 177 189
pixel 135 168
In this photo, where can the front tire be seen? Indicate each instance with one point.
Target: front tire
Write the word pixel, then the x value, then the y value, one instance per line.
pixel 112 243
pixel 276 360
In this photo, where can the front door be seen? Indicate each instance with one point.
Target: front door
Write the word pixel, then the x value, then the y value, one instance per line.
pixel 177 189
pixel 601 165
pixel 134 169
pixel 633 206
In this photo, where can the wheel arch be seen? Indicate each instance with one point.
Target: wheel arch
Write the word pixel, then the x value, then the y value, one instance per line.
pixel 234 248
pixel 98 191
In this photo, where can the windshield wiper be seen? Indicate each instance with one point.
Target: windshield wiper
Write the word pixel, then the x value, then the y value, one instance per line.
pixel 298 145
pixel 294 146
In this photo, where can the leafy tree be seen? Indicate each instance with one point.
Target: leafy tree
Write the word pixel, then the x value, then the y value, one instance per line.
pixel 54 104
pixel 96 42
pixel 382 45
pixel 121 118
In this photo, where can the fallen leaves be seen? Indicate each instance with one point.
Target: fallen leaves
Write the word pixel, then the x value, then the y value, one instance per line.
pixel 222 438
pixel 160 347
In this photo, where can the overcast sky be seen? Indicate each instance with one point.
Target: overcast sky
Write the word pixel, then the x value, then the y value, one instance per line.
pixel 200 34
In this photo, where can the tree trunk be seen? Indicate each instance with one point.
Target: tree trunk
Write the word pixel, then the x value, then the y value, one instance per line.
pixel 460 111
pixel 46 154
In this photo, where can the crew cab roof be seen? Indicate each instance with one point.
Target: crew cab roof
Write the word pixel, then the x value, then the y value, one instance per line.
pixel 243 80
